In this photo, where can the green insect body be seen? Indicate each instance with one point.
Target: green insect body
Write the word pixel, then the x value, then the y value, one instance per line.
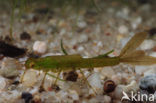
pixel 129 55
pixel 67 62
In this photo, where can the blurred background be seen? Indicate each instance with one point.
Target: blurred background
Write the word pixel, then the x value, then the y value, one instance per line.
pixel 86 20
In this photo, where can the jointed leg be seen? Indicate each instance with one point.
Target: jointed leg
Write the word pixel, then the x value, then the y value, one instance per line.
pixel 87 81
pixel 55 77
pixel 42 83
pixel 106 54
pixel 22 77
pixel 55 82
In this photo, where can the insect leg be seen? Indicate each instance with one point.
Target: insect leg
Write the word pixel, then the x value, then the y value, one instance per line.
pixel 87 81
pixel 42 82
pixel 55 77
pixel 21 79
pixel 104 55
pixel 55 82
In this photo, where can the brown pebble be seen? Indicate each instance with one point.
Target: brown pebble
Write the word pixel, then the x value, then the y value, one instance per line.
pixel 7 39
pixel 109 86
pixel 35 19
pixel 25 36
pixel 152 31
pixel 71 76
pixel 75 47
pixel 41 89
pixel 36 99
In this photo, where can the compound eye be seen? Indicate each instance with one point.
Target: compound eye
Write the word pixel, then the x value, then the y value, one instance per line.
pixel 32 64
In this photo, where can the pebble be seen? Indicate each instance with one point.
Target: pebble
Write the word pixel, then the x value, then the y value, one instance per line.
pixel 136 22
pixel 25 36
pixel 107 72
pixel 80 48
pixel 140 69
pixel 123 13
pixel 81 24
pixel 2 83
pixel 152 31
pixel 121 78
pixel 95 81
pixel 83 38
pixel 148 83
pixel 48 82
pixel 62 94
pixel 27 97
pixel 9 68
pixel 147 44
pixel 117 78
pixel 34 90
pixel 150 72
pixel 107 99
pixel 123 29
pixel 53 21
pixel 118 91
pixel 30 78
pixel 74 95
pixel 40 47
pixel 133 86
pixel 153 54
pixel 71 76
pixel 10 97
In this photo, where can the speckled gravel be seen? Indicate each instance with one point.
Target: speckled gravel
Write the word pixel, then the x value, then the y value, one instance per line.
pixel 89 34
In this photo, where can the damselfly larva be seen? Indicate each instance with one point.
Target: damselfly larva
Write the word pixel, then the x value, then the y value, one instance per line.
pixel 67 62
pixel 128 55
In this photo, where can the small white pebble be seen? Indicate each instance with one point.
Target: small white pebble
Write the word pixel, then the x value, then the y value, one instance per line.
pixel 81 24
pixel 136 22
pixel 40 47
pixel 30 78
pixel 99 44
pixel 80 48
pixel 53 21
pixel 118 91
pixel 147 44
pixel 62 94
pixel 9 67
pixel 95 81
pixel 107 99
pixel 107 72
pixel 140 69
pixel 133 86
pixel 153 54
pixel 117 78
pixel 150 72
pixel 2 83
pixel 34 90
pixel 62 31
pixel 74 95
pixel 123 29
pixel 82 38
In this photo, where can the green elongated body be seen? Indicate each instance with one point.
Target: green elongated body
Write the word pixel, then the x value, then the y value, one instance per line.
pixel 128 55
pixel 68 62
